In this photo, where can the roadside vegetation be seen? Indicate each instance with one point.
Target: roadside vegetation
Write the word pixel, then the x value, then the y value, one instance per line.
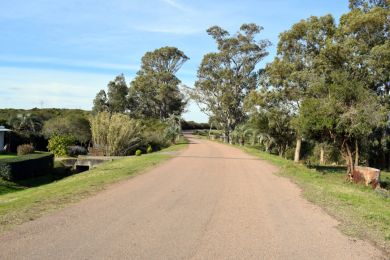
pixel 29 199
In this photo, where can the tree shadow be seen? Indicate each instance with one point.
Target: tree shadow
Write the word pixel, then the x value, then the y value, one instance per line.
pixel 58 173
pixel 326 169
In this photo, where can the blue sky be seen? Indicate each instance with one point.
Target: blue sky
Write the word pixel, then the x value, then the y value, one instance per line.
pixel 61 53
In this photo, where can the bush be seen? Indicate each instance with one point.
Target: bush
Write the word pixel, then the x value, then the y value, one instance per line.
pixel 58 144
pixel 138 152
pixel 26 166
pixel 76 150
pixel 155 139
pixel 25 149
pixel 149 149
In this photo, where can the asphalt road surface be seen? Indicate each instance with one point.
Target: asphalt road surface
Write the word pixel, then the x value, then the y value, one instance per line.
pixel 212 201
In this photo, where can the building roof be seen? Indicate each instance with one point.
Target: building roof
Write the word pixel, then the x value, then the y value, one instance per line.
pixel 3 129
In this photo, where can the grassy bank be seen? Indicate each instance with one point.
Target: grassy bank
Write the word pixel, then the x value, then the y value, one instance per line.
pixel 28 203
pixel 362 212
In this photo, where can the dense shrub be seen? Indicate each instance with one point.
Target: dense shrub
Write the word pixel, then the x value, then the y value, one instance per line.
pixel 76 150
pixel 58 144
pixel 156 140
pixel 149 149
pixel 138 152
pixel 25 149
pixel 26 166
pixel 75 125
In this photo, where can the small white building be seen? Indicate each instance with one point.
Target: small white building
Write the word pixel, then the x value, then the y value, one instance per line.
pixel 2 134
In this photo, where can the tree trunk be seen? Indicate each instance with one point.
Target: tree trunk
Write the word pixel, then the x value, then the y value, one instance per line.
pixel 298 150
pixel 322 154
pixel 356 153
pixel 280 148
pixel 349 160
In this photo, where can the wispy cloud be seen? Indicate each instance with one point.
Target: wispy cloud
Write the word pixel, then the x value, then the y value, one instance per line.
pixel 86 64
pixel 178 6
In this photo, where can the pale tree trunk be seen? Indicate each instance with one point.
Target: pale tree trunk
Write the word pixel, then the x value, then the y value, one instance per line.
pixel 356 153
pixel 322 154
pixel 298 150
pixel 349 160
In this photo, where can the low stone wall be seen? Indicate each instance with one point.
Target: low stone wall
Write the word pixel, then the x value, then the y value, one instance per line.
pixel 87 160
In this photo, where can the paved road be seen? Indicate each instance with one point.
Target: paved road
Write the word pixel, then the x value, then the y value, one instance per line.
pixel 211 202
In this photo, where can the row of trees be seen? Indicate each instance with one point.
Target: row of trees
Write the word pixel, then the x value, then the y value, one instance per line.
pixel 329 84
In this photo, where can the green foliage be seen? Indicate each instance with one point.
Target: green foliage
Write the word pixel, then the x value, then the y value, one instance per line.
pixel 138 152
pixel 100 103
pixel 5 171
pixel 117 93
pixel 329 83
pixel 26 125
pixel 115 101
pixel 58 144
pixel 155 93
pixel 191 125
pixel 225 77
pixel 149 149
pixel 115 134
pixel 74 125
pixel 26 166
pixel 173 129
pixel 25 149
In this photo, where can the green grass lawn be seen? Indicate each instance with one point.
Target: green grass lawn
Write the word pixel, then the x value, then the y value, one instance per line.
pixel 4 156
pixel 362 212
pixel 26 203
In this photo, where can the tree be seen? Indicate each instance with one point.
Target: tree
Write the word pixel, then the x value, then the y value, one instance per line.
pixel 71 125
pixel 26 125
pixel 290 74
pixel 117 95
pixel 362 42
pixel 115 101
pixel 100 103
pixel 366 5
pixel 271 119
pixel 116 134
pixel 344 110
pixel 227 76
pixel 155 91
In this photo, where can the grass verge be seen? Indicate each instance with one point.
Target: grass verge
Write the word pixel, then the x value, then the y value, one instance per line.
pixel 30 203
pixel 6 156
pixel 362 212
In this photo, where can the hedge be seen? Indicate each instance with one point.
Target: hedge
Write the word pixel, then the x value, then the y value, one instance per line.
pixel 26 166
